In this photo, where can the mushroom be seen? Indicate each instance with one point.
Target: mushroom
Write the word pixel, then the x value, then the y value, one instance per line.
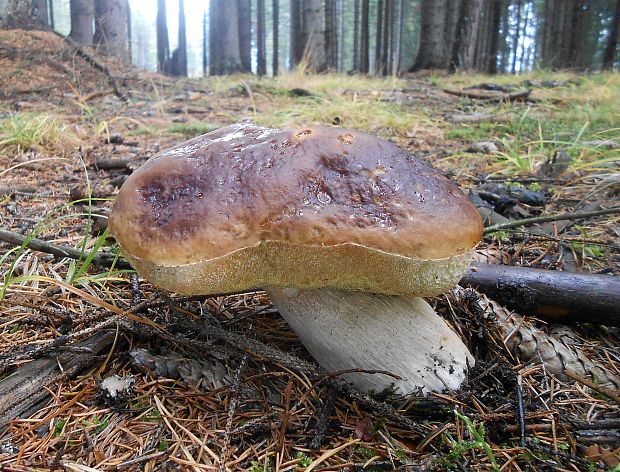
pixel 343 230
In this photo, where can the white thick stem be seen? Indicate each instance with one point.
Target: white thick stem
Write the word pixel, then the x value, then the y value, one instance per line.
pixel 355 330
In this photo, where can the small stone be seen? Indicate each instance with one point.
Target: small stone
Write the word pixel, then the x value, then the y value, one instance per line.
pixel 485 147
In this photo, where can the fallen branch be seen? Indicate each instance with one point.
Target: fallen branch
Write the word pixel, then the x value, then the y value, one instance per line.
pixel 101 259
pixel 22 392
pixel 477 117
pixel 113 164
pixel 543 219
pixel 520 96
pixel 555 295
pixel 96 65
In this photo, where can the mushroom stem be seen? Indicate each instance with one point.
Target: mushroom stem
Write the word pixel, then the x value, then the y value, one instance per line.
pixel 356 330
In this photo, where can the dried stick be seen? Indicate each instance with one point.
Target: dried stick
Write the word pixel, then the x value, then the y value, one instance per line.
pixel 101 259
pixel 21 392
pixel 520 96
pixel 544 219
pixel 554 295
pixel 96 65
pixel 233 403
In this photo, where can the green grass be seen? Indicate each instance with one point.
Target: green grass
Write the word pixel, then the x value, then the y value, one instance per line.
pixel 459 448
pixel 191 130
pixel 371 115
pixel 28 131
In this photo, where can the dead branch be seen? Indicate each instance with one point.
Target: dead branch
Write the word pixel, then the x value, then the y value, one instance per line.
pixel 477 117
pixel 558 296
pixel 96 65
pixel 101 259
pixel 113 164
pixel 23 391
pixel 577 215
pixel 494 97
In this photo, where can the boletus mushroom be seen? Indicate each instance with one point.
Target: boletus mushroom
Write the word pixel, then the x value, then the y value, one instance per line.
pixel 343 230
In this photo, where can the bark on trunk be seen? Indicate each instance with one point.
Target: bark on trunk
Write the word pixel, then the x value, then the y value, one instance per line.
pixel 330 34
pixel 261 53
pixel 364 37
pixel 379 38
pixel 314 50
pixel 609 55
pixel 401 35
pixel 464 51
pixel 244 9
pixel 24 14
pixel 296 33
pixel 275 8
pixel 356 35
pixel 163 47
pixel 494 37
pixel 432 52
pixel 204 43
pixel 515 38
pixel 223 38
pixel 51 14
pixel 387 38
pixel 453 16
pixel 82 14
pixel 179 62
pixel 111 28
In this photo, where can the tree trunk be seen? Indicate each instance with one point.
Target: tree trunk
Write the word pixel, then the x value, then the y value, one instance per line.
pixel 432 52
pixel 111 28
pixel 496 19
pixel 224 37
pixel 51 10
pixel 179 62
pixel 330 34
pixel 314 50
pixel 609 55
pixel 244 9
pixel 163 47
pixel 261 54
pixel 296 33
pixel 464 50
pixel 453 20
pixel 387 38
pixel 364 37
pixel 356 35
pixel 340 35
pixel 401 35
pixel 128 10
pixel 275 7
pixel 379 38
pixel 40 9
pixel 515 38
pixel 24 14
pixel 82 15
pixel 204 43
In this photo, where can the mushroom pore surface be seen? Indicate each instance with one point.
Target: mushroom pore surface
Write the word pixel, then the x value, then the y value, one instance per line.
pixel 247 207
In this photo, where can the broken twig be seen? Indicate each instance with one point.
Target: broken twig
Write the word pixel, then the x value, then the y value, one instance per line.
pixel 543 219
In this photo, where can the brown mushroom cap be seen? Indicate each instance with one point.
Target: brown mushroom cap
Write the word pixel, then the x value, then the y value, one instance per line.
pixel 247 207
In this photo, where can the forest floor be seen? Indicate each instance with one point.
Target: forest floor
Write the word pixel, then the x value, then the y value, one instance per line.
pixel 248 397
